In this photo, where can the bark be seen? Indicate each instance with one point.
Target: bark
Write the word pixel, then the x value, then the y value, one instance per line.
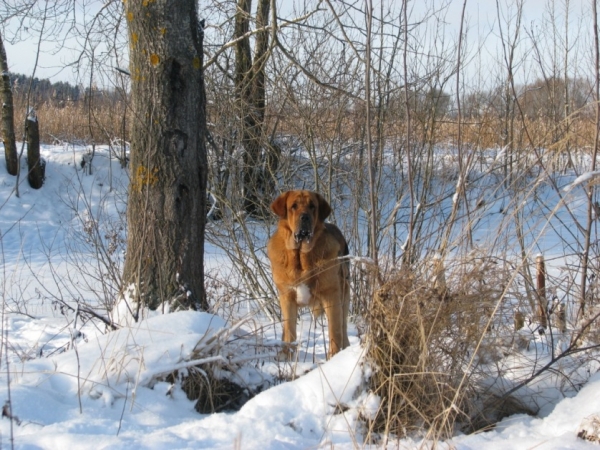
pixel 167 193
pixel 8 124
pixel 260 159
pixel 36 166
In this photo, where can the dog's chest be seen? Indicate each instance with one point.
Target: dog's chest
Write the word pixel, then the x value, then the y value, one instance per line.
pixel 302 294
pixel 305 261
pixel 302 277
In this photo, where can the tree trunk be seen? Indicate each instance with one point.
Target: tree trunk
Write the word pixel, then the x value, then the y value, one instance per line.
pixel 260 159
pixel 36 166
pixel 167 193
pixel 8 123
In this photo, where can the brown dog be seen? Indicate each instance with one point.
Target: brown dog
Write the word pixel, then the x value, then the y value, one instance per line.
pixel 304 254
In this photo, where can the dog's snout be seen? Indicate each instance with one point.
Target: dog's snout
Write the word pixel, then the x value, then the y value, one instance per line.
pixel 304 227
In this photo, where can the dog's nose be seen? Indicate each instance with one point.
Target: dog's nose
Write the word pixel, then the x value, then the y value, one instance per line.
pixel 305 219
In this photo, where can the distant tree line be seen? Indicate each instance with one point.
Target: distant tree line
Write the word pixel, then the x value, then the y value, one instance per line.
pixel 544 99
pixel 58 94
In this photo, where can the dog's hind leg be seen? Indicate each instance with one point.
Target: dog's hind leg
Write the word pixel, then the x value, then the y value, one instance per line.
pixel 346 310
pixel 334 310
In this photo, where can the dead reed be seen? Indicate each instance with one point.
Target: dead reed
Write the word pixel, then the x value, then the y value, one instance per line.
pixel 429 344
pixel 108 118
pixel 75 123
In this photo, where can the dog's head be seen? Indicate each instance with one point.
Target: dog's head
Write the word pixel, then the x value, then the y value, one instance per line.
pixel 304 212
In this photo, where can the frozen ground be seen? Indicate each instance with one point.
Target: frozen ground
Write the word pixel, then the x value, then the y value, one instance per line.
pixel 71 385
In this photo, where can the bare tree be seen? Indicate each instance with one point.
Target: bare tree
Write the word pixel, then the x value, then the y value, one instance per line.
pixel 260 157
pixel 167 193
pixel 8 124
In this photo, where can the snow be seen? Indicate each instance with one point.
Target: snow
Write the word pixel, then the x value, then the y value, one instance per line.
pixel 77 386
pixel 556 431
pixel 501 154
pixel 583 178
pixel 113 374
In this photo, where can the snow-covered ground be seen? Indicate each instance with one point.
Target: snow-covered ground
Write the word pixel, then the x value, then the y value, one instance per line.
pixel 72 385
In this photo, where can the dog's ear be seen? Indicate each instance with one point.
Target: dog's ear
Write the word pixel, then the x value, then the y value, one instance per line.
pixel 324 208
pixel 279 205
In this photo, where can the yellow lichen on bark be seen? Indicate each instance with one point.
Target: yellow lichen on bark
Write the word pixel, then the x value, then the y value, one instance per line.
pixel 144 177
pixel 154 59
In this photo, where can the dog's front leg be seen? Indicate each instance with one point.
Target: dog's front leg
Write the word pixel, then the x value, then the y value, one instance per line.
pixel 289 310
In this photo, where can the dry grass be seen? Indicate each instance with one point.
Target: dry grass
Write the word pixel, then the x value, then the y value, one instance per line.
pixel 427 347
pixel 213 393
pixel 110 118
pixel 75 123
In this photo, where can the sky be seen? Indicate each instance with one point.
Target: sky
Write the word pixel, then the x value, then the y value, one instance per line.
pixel 51 64
pixel 482 34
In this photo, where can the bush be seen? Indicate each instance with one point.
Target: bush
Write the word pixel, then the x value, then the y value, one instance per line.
pixel 433 349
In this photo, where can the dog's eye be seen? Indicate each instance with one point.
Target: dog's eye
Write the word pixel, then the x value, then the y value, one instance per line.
pixel 294 207
pixel 311 206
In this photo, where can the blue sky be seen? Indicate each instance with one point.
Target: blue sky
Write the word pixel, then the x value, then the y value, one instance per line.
pixel 481 15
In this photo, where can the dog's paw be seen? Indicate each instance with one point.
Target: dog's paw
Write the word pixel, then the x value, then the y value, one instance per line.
pixel 282 356
pixel 287 353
